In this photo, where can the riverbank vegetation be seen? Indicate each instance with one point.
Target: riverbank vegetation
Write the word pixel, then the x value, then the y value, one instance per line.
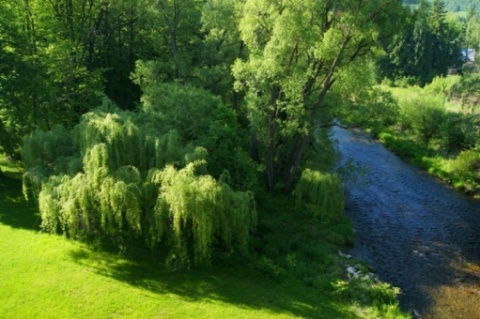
pixel 436 128
pixel 433 113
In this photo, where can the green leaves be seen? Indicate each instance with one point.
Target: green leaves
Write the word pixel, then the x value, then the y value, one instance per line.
pixel 202 208
pixel 158 175
pixel 321 194
pixel 297 49
pixel 427 46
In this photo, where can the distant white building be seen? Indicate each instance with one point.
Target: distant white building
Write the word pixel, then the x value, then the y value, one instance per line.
pixel 468 55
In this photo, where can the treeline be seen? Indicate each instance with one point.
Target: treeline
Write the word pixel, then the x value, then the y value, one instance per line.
pixel 429 44
pixel 451 5
pixel 461 5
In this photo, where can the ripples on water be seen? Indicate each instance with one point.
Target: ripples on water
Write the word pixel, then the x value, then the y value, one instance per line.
pixel 418 233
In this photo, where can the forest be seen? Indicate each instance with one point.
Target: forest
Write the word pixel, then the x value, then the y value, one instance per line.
pixel 183 126
pixel 459 5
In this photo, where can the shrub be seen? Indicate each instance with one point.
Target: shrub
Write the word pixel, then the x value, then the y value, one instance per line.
pixel 459 131
pixel 443 85
pixel 423 114
pixel 467 165
pixel 406 81
pixel 321 193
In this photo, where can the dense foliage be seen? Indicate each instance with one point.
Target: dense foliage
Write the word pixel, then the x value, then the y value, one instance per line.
pixel 290 70
pixel 321 194
pixel 437 128
pixel 135 175
pixel 427 46
pixel 461 5
pixel 212 100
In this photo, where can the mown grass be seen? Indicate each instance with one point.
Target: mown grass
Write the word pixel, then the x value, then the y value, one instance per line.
pixel 49 276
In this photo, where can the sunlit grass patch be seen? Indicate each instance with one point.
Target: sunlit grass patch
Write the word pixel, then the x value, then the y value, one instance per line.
pixel 9 166
pixel 47 276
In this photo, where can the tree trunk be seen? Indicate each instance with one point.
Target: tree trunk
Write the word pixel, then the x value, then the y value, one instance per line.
pixel 254 147
pixel 272 148
pixel 292 167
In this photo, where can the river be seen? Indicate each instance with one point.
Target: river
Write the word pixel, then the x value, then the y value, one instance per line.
pixel 418 234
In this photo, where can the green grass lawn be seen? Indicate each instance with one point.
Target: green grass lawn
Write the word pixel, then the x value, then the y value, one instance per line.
pixel 49 276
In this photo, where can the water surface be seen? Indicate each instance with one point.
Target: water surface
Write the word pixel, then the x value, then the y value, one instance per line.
pixel 419 234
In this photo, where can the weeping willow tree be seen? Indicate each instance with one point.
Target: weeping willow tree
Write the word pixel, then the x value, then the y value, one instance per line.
pixel 321 193
pixel 200 207
pixel 139 176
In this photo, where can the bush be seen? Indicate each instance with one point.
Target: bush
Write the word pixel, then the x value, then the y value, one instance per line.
pixel 406 81
pixel 423 114
pixel 467 88
pixel 459 131
pixel 321 193
pixel 443 85
pixel 467 166
pixel 403 147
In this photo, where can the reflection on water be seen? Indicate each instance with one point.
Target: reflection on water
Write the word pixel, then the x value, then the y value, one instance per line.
pixel 418 233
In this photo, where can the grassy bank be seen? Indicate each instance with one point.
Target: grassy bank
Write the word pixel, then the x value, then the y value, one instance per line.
pixel 420 155
pixel 49 276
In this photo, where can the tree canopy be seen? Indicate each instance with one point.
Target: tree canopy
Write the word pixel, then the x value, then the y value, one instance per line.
pixel 427 46
pixel 297 49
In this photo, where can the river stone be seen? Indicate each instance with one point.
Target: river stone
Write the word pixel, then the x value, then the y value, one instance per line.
pixel 351 270
pixel 348 256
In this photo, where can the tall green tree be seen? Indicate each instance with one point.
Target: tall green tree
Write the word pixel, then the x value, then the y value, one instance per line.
pixel 471 30
pixel 398 51
pixel 428 45
pixel 22 85
pixel 97 40
pixel 423 66
pixel 59 54
pixel 296 50
pixel 440 45
pixel 177 36
pixel 222 46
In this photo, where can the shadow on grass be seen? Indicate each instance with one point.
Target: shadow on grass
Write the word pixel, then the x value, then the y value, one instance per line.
pixel 235 285
pixel 15 211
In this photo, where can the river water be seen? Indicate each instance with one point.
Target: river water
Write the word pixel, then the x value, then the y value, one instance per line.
pixel 417 233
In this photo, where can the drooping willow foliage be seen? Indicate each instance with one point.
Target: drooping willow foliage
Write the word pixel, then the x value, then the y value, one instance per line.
pixel 321 193
pixel 203 208
pixel 124 175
